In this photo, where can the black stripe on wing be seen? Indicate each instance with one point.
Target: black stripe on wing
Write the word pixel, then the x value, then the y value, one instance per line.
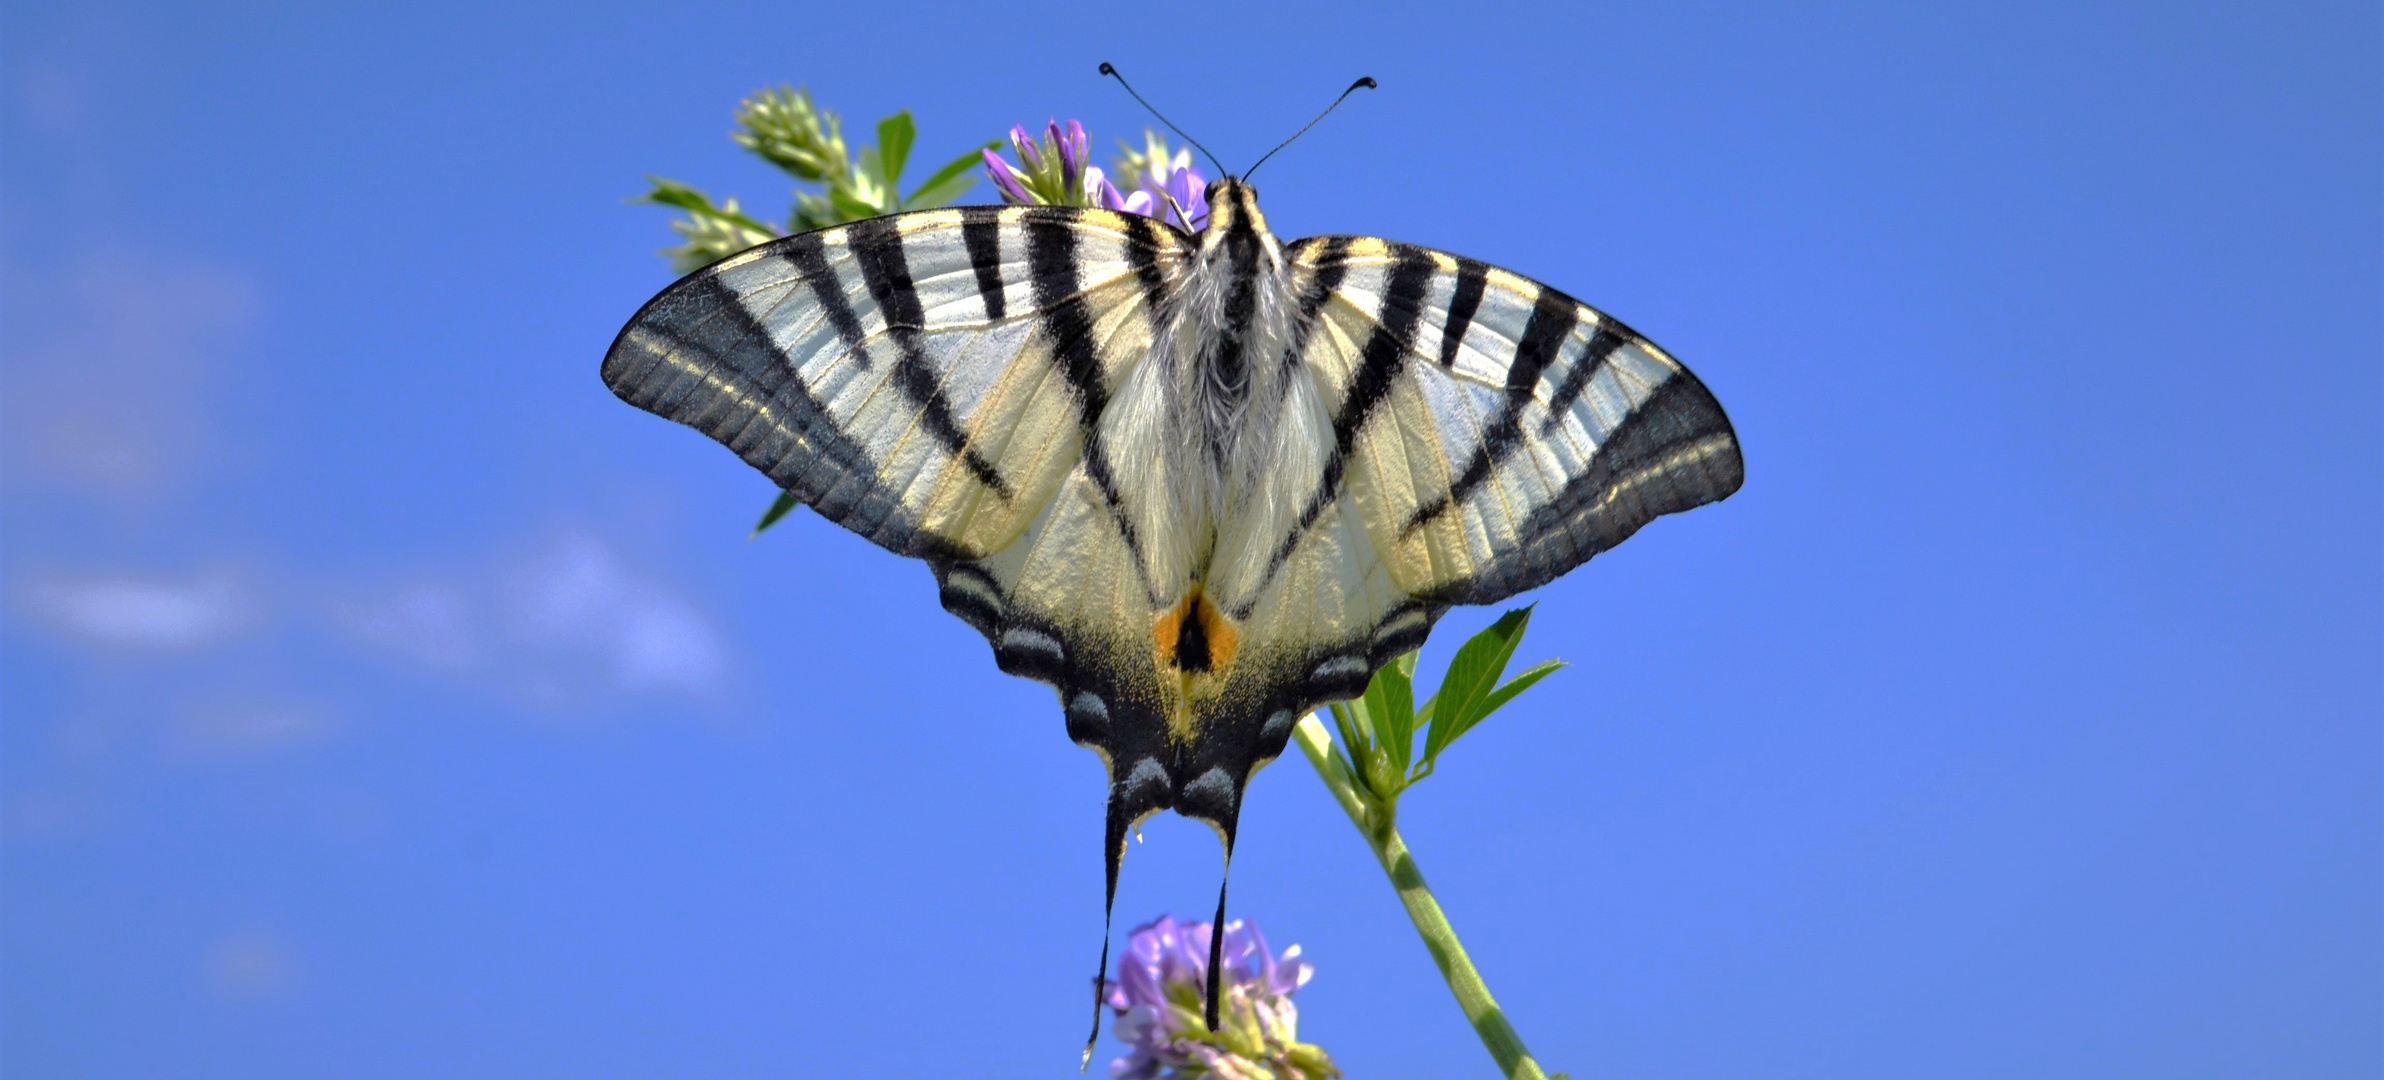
pixel 877 246
pixel 1331 264
pixel 1473 279
pixel 1068 326
pixel 695 355
pixel 981 234
pixel 1610 335
pixel 1380 360
pixel 1553 316
pixel 807 253
pixel 1676 451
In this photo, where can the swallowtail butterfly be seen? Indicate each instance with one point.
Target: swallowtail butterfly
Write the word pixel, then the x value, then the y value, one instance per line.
pixel 1200 484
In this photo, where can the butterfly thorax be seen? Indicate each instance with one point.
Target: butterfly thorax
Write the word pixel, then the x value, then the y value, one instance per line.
pixel 1231 328
pixel 1222 376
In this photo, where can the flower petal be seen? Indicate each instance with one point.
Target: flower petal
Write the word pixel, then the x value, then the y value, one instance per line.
pixel 1005 178
pixel 1072 155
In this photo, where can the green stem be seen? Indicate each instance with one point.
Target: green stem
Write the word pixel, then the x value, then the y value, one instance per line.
pixel 1473 995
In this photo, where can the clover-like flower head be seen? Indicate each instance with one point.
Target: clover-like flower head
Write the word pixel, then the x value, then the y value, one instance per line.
pixel 1054 170
pixel 1158 998
pixel 1051 171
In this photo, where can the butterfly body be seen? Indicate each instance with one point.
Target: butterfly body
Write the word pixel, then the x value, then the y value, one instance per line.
pixel 1198 484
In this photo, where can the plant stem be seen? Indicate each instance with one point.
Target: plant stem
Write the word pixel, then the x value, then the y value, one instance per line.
pixel 1473 995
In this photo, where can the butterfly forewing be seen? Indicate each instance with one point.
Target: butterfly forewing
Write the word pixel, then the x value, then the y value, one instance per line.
pixel 906 376
pixel 1519 432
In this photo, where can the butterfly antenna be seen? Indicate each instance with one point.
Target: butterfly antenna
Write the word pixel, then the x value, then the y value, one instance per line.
pixel 1367 82
pixel 1111 70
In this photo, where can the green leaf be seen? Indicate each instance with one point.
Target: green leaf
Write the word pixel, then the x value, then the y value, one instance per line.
pixel 1350 717
pixel 867 185
pixel 1472 673
pixel 851 206
pixel 712 231
pixel 894 137
pixel 685 197
pixel 944 194
pixel 1390 704
pixel 1518 684
pixel 1498 698
pixel 780 507
pixel 1356 740
pixel 956 175
pixel 1423 719
pixel 1342 755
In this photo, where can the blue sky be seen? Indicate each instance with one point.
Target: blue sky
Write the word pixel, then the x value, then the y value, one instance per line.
pixel 384 699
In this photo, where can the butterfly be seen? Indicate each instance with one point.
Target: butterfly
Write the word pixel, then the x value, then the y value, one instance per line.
pixel 1199 484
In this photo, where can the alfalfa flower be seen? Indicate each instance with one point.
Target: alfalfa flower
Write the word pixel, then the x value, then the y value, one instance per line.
pixel 1054 169
pixel 1051 171
pixel 1161 1018
pixel 1178 191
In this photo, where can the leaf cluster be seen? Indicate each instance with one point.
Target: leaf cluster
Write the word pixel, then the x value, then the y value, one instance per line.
pixel 784 127
pixel 1378 731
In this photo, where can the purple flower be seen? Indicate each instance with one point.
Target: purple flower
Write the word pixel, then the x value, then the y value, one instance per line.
pixel 1071 147
pixel 1166 173
pixel 1051 170
pixel 1025 145
pixel 1055 169
pixel 1189 193
pixel 1010 180
pixel 1158 996
pixel 1108 197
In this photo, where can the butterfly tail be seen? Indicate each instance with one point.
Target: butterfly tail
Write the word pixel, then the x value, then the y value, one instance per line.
pixel 1217 944
pixel 1114 851
pixel 1143 790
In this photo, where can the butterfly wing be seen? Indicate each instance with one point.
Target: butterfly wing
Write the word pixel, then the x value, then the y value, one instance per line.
pixel 926 380
pixel 1486 434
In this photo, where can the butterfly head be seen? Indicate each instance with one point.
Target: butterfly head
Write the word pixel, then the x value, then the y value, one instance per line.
pixel 1235 226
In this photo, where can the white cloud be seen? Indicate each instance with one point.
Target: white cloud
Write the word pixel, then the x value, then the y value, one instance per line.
pixel 581 597
pixel 569 627
pixel 573 626
pixel 130 612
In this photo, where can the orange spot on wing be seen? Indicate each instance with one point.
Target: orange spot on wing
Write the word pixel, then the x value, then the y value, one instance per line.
pixel 1195 643
pixel 1218 641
